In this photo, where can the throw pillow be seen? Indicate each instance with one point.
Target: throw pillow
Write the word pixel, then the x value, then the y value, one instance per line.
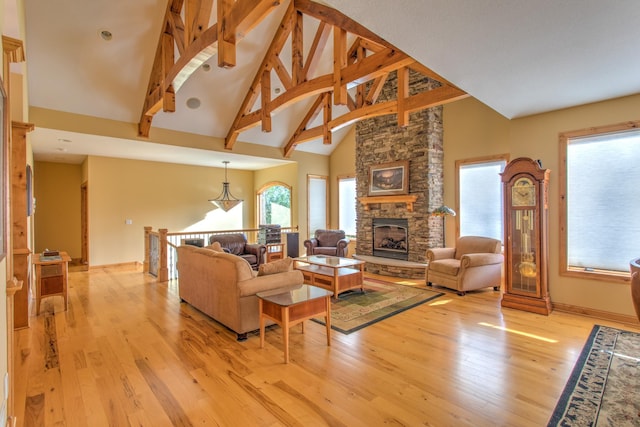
pixel 278 266
pixel 215 246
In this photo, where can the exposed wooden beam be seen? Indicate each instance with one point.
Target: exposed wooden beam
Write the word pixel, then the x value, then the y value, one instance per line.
pixel 315 51
pixel 375 89
pixel 326 118
pixel 403 94
pixel 337 19
pixel 197 13
pixel 375 65
pixel 276 45
pixel 304 90
pixel 226 43
pixel 297 58
pixel 434 97
pixel 265 98
pixel 339 63
pixel 295 139
pixel 421 101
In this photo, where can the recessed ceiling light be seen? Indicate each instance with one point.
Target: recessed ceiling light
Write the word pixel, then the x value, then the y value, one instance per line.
pixel 193 103
pixel 105 35
pixel 64 140
pixel 206 67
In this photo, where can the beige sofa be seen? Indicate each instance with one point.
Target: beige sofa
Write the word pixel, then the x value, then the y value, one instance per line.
pixel 223 286
pixel 475 262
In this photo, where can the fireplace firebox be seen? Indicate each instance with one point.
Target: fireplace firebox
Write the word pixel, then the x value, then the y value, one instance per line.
pixel 390 238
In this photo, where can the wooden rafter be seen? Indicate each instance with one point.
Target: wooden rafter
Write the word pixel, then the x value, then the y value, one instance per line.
pixel 195 43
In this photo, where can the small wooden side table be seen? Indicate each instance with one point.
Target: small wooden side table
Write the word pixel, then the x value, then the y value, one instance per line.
pixel 275 251
pixel 293 305
pixel 51 277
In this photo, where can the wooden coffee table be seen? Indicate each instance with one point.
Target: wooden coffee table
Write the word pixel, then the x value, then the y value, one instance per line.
pixel 293 305
pixel 336 274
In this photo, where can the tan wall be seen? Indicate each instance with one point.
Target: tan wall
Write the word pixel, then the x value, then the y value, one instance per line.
pixel 57 214
pixel 160 195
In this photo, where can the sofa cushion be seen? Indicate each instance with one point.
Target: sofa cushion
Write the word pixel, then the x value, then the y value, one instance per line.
pixel 215 246
pixel 327 238
pixel 447 266
pixel 476 245
pixel 325 251
pixel 274 267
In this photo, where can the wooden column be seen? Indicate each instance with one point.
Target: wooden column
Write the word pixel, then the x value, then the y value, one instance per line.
pixel 19 222
pixel 163 269
pixel 147 250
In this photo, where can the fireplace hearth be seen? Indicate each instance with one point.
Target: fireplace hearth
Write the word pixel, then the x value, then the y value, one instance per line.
pixel 390 238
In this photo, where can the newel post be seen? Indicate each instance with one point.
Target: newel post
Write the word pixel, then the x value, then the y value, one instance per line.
pixel 163 270
pixel 145 264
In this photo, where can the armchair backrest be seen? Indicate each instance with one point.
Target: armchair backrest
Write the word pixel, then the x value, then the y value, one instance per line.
pixel 329 238
pixel 235 242
pixel 476 244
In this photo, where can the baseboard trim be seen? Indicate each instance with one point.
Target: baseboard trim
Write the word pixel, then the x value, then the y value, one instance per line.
pixel 133 265
pixel 600 314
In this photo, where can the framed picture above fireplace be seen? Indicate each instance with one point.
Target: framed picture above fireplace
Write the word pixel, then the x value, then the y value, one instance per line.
pixel 389 178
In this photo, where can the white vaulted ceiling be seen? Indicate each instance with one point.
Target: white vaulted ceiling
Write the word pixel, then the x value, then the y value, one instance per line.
pixel 518 57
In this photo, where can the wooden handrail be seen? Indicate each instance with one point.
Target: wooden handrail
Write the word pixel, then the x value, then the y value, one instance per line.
pixel 168 243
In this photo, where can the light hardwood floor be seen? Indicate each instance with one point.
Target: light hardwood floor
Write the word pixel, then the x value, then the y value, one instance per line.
pixel 127 352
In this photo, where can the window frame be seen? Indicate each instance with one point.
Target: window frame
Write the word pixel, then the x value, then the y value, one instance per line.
pixel 264 188
pixel 474 161
pixel 326 202
pixel 564 137
pixel 339 179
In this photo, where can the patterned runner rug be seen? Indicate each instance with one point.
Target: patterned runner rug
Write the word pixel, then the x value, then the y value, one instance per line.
pixel 355 310
pixel 604 387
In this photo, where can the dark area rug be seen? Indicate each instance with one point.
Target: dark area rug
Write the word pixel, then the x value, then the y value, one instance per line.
pixel 355 310
pixel 604 387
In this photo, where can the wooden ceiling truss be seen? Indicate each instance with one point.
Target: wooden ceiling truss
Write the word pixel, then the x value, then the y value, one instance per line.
pixel 368 59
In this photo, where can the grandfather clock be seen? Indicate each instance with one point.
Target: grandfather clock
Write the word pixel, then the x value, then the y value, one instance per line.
pixel 526 207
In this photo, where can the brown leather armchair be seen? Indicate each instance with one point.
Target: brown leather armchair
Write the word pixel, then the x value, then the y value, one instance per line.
pixel 475 262
pixel 236 244
pixel 327 242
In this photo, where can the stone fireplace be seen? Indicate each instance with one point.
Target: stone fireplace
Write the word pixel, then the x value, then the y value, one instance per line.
pixel 390 238
pixel 379 140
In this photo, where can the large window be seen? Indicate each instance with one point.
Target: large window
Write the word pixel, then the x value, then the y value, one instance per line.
pixel 600 190
pixel 274 204
pixel 317 207
pixel 480 196
pixel 347 205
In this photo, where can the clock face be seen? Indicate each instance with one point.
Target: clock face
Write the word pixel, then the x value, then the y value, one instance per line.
pixel 523 193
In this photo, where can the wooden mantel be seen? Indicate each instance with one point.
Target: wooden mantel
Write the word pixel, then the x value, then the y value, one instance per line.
pixel 405 198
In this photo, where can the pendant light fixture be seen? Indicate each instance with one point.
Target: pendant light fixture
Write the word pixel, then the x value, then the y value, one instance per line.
pixel 225 200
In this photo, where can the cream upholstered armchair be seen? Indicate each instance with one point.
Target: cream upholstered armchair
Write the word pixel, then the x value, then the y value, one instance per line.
pixel 475 262
pixel 327 242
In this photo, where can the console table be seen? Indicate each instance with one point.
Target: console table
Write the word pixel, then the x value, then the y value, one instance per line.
pixel 51 277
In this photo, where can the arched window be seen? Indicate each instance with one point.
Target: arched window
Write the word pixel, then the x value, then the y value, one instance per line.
pixel 274 204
